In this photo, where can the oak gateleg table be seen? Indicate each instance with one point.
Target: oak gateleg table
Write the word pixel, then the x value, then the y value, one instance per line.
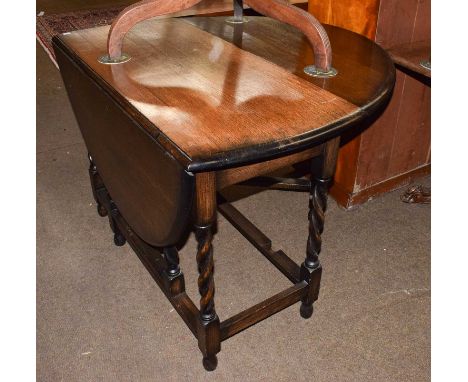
pixel 174 110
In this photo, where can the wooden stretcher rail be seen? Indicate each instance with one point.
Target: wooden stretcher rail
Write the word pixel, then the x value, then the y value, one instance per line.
pixel 174 288
pixel 276 183
pixel 260 241
pixel 263 310
pixel 152 259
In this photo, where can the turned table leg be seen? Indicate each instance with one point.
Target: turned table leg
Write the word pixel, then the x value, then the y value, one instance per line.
pixel 174 278
pixel 323 168
pixel 119 238
pixel 209 340
pixel 96 184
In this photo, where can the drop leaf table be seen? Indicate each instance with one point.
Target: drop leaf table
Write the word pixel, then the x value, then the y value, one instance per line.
pixel 173 110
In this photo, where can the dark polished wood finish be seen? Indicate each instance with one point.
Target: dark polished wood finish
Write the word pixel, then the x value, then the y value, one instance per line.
pixel 135 168
pixel 189 115
pixel 274 122
pixel 366 75
pixel 96 185
pixel 323 168
pixel 209 340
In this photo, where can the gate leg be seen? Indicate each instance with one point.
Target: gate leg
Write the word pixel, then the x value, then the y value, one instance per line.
pixel 323 168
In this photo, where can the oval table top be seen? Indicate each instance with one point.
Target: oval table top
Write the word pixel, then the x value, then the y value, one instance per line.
pixel 218 95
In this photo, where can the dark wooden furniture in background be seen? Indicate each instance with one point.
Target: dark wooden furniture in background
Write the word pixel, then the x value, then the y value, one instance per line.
pixel 204 104
pixel 396 148
pixel 414 57
pixel 414 60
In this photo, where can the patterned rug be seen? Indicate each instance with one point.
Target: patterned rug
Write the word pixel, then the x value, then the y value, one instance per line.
pixel 48 26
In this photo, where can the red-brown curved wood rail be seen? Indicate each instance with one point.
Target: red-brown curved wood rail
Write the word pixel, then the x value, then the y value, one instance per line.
pixel 277 9
pixel 138 12
pixel 305 22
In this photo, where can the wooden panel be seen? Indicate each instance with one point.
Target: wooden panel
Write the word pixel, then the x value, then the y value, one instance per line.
pixel 410 56
pixel 377 142
pixel 149 187
pixel 413 129
pixel 235 175
pixel 359 16
pixel 387 185
pixel 396 22
pixel 412 18
pixel 399 141
pixel 422 25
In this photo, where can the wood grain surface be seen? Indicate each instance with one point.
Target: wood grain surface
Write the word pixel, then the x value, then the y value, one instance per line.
pixel 359 16
pixel 220 105
pixel 238 174
pixel 398 143
pixel 365 71
pixel 150 187
pixel 208 96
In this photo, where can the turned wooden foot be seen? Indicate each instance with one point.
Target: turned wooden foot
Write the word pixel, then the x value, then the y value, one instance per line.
pixel 210 363
pixel 119 238
pixel 97 185
pixel 174 279
pixel 101 210
pixel 306 310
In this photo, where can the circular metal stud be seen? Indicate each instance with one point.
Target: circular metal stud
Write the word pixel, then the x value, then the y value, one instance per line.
pixel 312 70
pixel 114 61
pixel 234 20
pixel 425 64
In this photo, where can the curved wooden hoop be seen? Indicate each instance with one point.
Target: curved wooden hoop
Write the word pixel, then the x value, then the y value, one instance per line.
pixel 277 9
pixel 136 13
pixel 283 11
